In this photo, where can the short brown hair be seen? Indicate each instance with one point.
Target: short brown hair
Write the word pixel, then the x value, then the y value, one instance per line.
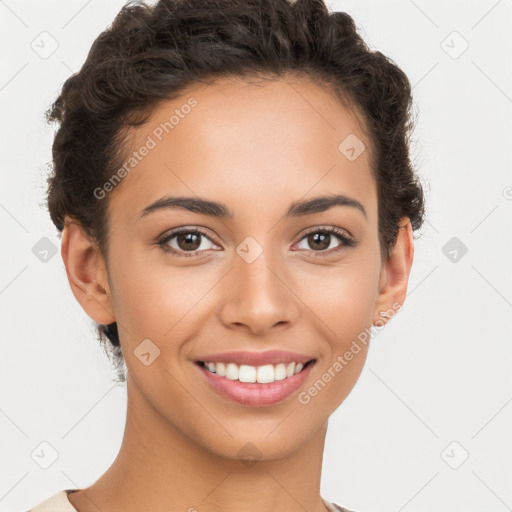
pixel 150 53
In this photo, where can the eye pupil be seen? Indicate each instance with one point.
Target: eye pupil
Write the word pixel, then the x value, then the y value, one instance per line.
pixel 322 236
pixel 191 239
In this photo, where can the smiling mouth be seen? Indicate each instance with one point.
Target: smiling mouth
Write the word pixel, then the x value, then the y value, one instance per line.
pixel 263 374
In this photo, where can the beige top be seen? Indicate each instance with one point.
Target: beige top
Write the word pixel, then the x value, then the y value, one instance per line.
pixel 59 503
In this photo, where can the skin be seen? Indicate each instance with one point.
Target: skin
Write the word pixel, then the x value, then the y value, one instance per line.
pixel 257 150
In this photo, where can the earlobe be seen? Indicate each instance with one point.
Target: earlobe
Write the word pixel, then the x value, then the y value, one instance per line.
pixel 395 274
pixel 87 276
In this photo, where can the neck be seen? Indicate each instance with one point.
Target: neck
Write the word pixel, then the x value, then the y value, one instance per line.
pixel 160 468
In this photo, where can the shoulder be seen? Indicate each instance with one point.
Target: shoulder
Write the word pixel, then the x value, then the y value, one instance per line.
pixel 57 503
pixel 341 509
pixel 334 507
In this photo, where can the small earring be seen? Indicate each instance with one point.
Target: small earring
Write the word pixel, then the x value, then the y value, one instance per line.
pixel 384 314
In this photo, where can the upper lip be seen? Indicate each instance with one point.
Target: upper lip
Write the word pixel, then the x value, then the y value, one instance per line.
pixel 256 358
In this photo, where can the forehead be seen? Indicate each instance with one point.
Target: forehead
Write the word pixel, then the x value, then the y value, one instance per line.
pixel 248 145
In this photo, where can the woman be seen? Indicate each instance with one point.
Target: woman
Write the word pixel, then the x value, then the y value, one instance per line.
pixel 237 204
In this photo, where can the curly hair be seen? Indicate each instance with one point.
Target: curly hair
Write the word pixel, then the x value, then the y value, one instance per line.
pixel 151 53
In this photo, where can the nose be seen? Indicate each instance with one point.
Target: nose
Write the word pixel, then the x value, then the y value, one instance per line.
pixel 257 298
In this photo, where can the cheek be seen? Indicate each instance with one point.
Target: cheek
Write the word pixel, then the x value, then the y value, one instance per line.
pixel 342 297
pixel 341 304
pixel 155 300
pixel 341 310
pixel 142 298
pixel 349 310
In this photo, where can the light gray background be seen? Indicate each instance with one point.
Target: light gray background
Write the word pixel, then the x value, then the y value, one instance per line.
pixel 437 382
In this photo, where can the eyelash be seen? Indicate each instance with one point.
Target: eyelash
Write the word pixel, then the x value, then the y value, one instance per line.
pixel 341 235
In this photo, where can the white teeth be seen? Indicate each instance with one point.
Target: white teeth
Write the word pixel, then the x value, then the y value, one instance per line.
pixel 247 373
pixel 261 374
pixel 265 374
pixel 232 371
pixel 280 372
pixel 220 369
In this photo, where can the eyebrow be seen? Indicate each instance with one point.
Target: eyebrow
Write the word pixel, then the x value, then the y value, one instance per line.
pixel 221 211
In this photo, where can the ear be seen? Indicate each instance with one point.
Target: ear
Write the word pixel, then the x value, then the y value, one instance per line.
pixel 394 276
pixel 86 271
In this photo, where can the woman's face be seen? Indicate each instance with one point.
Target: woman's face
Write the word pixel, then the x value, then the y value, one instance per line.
pixel 256 280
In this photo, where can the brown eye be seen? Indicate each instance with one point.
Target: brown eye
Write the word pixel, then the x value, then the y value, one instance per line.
pixel 185 240
pixel 320 240
pixel 188 241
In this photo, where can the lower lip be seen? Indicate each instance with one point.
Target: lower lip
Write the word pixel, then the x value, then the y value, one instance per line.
pixel 252 393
